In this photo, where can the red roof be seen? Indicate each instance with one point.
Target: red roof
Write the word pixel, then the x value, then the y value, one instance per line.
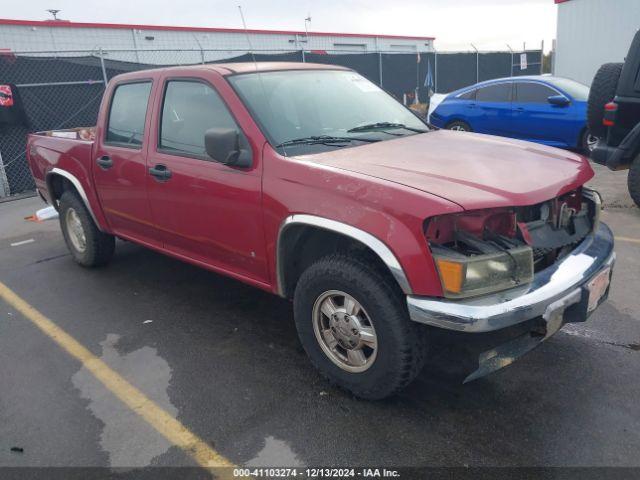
pixel 67 24
pixel 561 1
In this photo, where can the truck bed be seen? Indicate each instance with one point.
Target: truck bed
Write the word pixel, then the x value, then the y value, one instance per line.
pixel 70 150
pixel 79 133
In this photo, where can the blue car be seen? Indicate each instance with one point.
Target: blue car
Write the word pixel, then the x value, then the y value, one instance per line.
pixel 543 109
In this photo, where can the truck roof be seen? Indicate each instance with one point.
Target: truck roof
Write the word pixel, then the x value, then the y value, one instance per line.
pixel 226 69
pixel 248 67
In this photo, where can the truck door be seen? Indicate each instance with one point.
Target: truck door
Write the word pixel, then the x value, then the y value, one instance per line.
pixel 120 171
pixel 206 211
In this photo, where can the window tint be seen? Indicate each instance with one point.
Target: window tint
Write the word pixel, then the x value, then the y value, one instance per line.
pixel 128 112
pixel 500 92
pixel 533 93
pixel 471 95
pixel 189 110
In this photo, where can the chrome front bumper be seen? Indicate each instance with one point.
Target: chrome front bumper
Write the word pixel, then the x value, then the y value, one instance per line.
pixel 551 292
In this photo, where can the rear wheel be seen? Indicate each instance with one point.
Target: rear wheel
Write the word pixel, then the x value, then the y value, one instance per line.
pixel 354 325
pixel 602 91
pixel 459 126
pixel 88 245
pixel 633 180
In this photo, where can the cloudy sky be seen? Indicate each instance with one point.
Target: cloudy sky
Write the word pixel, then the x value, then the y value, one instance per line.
pixel 489 24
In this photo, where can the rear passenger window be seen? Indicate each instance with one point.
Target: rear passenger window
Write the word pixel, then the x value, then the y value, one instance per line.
pixel 500 92
pixel 128 113
pixel 533 93
pixel 191 108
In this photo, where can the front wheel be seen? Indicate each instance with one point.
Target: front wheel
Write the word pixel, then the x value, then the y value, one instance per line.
pixel 355 328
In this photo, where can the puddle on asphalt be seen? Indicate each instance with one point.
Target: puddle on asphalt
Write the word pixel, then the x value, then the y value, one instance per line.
pixel 275 452
pixel 127 438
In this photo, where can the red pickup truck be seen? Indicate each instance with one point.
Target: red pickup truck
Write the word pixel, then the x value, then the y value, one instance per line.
pixel 310 182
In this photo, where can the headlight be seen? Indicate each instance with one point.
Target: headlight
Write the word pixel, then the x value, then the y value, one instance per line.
pixel 466 276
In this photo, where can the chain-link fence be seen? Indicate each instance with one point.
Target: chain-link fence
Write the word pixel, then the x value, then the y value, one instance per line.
pixel 64 89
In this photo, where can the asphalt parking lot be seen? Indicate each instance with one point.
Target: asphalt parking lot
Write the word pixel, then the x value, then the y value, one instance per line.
pixel 224 360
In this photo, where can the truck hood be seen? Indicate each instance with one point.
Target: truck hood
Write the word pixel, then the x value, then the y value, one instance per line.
pixel 475 171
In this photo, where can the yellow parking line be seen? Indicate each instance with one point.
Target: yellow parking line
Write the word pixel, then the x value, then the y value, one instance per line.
pixel 163 422
pixel 628 239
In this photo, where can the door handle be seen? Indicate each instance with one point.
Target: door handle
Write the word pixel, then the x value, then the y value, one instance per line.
pixel 160 172
pixel 105 162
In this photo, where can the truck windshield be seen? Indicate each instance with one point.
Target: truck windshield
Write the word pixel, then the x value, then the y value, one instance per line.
pixel 328 108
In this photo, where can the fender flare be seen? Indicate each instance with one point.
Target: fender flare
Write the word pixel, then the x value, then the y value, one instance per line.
pixel 77 185
pixel 377 246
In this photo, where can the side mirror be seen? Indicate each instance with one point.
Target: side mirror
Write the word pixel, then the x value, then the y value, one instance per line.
pixel 558 100
pixel 228 146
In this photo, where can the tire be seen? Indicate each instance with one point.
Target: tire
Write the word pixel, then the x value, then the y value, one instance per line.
pixel 89 246
pixel 603 89
pixel 587 142
pixel 400 344
pixel 459 125
pixel 633 180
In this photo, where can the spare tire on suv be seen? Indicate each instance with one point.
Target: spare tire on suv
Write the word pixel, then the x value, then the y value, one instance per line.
pixel 603 89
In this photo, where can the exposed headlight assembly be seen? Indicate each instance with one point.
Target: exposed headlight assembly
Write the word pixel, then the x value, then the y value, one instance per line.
pixel 596 205
pixel 466 276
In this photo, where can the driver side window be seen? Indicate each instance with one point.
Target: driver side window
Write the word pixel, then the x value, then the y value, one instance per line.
pixel 189 109
pixel 533 93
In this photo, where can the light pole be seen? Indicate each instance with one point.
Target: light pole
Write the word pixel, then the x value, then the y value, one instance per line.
pixel 307 21
pixel 54 12
pixel 306 34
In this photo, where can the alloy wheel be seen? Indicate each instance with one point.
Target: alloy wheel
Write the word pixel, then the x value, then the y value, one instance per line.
pixel 344 331
pixel 75 230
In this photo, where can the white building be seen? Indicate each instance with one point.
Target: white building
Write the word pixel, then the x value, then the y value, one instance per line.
pixel 593 32
pixel 131 41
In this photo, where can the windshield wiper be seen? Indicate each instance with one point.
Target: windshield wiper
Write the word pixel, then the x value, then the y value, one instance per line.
pixel 383 125
pixel 324 139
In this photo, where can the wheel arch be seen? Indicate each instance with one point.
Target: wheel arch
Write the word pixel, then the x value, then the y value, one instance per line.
pixel 58 181
pixel 303 239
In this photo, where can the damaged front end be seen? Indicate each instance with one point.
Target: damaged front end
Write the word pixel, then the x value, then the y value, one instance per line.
pixel 545 264
pixel 508 245
pixel 554 228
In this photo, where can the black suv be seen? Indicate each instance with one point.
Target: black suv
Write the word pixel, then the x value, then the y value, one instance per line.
pixel 613 116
